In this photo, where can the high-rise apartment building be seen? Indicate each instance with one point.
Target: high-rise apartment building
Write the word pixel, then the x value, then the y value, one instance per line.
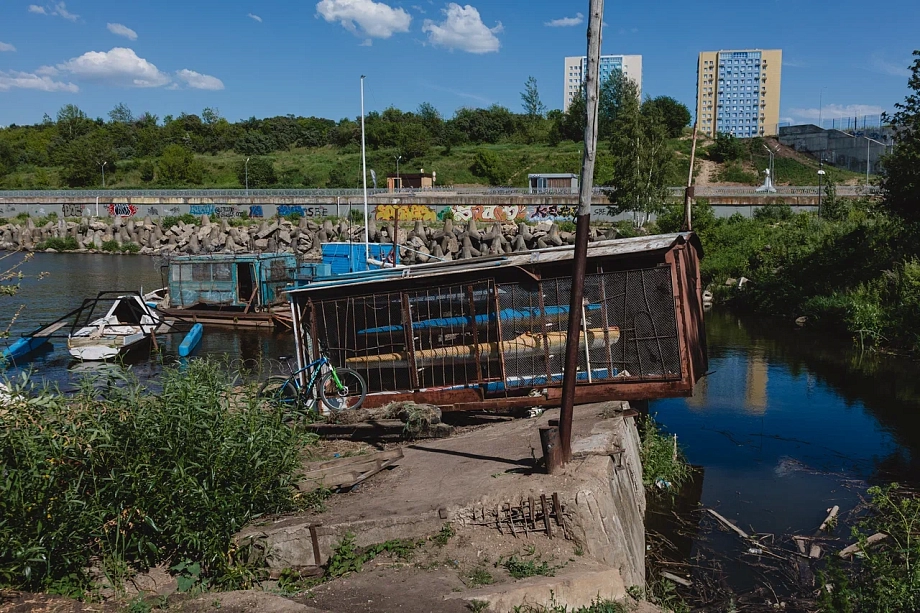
pixel 737 92
pixel 576 69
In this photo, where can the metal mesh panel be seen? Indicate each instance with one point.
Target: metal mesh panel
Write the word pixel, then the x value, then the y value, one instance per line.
pixel 472 334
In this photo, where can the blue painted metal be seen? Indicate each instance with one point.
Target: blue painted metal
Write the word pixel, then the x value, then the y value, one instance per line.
pixel 481 320
pixel 24 347
pixel 191 340
pixel 345 258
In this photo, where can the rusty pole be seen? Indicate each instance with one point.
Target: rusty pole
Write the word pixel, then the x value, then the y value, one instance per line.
pixel 582 228
pixel 688 193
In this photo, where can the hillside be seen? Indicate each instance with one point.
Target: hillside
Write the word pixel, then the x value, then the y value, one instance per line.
pixel 331 166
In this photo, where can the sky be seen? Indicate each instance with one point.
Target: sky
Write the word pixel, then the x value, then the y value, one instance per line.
pixel 277 57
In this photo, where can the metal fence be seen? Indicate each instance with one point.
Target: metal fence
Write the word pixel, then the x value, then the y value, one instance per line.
pixel 505 337
pixel 253 194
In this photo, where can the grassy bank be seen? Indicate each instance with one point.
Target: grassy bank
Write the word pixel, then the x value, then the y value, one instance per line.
pixel 117 479
pixel 855 271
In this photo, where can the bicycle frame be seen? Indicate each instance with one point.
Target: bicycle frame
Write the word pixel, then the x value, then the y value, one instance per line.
pixel 316 367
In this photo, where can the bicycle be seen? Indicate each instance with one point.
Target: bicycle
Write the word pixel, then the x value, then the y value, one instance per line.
pixel 337 389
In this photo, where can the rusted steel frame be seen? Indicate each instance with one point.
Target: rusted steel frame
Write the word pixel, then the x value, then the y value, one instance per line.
pixel 542 302
pixel 436 397
pixel 501 343
pixel 472 304
pixel 680 316
pixel 410 340
pixel 648 311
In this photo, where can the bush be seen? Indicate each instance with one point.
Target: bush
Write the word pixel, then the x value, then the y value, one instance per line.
pixel 59 244
pixel 734 173
pixel 726 148
pixel 775 212
pixel 186 218
pixel 663 464
pixel 132 478
pixel 489 165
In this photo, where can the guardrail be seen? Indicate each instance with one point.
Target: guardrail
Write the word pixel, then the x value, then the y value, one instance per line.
pixel 674 192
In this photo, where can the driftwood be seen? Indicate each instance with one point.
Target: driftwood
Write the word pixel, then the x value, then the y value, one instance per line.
pixel 676 579
pixel 729 525
pixel 831 517
pixel 855 547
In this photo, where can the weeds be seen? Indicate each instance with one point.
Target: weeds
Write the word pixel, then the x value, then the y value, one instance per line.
pixel 519 569
pixel 59 244
pixel 477 577
pixel 132 478
pixel 347 558
pixel 442 537
pixel 113 246
pixel 663 464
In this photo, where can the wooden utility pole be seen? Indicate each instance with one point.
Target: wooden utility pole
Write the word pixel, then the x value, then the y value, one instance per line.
pixel 582 228
pixel 688 193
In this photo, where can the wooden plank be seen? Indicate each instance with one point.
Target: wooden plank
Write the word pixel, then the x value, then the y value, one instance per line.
pixel 855 548
pixel 349 473
pixel 676 579
pixel 391 454
pixel 831 516
pixel 51 329
pixel 729 525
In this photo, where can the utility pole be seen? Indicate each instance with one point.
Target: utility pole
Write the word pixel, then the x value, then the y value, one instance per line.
pixel 246 173
pixel 580 259
pixel 688 193
pixel 103 173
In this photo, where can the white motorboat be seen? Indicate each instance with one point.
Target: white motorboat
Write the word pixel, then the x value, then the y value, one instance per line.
pixel 128 322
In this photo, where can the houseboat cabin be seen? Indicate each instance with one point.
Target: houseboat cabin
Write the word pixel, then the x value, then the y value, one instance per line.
pixel 230 282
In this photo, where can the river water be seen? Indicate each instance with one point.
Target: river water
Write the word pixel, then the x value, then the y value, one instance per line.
pixel 56 283
pixel 787 423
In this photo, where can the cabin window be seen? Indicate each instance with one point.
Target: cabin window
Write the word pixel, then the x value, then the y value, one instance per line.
pixel 279 271
pixel 201 272
pixel 221 272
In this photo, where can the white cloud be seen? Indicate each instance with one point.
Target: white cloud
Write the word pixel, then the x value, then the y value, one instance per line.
pixel 120 30
pixel 566 22
pixel 375 19
pixel 6 47
pixel 368 42
pixel 120 67
pixel 55 8
pixel 837 111
pixel 894 69
pixel 463 29
pixel 254 17
pixel 27 80
pixel 196 80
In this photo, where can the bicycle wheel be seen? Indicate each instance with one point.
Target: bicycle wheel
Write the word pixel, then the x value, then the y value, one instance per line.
pixel 348 393
pixel 280 389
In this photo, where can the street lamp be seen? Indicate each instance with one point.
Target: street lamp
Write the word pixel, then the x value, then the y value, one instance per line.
pixel 821 174
pixel 103 173
pixel 246 172
pixel 398 183
pixel 772 169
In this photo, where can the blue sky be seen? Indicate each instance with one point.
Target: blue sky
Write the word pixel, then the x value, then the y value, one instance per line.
pixel 275 57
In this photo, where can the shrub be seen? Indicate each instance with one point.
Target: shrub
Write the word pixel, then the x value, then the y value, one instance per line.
pixel 734 173
pixel 59 244
pixel 489 165
pixel 726 148
pixel 774 212
pixel 111 246
pixel 663 463
pixel 131 477
pixel 186 218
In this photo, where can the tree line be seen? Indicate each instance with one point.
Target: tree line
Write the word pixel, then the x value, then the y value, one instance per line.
pixel 167 151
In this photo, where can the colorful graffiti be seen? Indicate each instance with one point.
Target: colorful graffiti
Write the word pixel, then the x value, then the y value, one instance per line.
pixel 219 211
pixel 122 210
pixel 201 209
pixel 73 210
pixel 302 211
pixel 405 212
pixel 554 211
pixel 489 212
pixel 255 210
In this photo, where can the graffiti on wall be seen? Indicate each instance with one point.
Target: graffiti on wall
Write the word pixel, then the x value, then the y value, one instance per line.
pixel 72 210
pixel 405 212
pixel 554 212
pixel 220 211
pixel 122 210
pixel 490 212
pixel 255 210
pixel 302 211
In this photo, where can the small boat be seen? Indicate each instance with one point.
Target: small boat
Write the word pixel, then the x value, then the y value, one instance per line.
pixel 128 322
pixel 524 345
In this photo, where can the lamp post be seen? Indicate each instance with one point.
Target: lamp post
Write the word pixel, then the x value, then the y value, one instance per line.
pixel 398 183
pixel 103 173
pixel 246 172
pixel 821 174
pixel 772 170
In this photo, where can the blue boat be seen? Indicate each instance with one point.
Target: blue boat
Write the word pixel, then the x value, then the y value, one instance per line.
pixel 481 320
pixel 191 340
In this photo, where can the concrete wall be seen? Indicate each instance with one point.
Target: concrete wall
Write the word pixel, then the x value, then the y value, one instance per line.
pixel 835 147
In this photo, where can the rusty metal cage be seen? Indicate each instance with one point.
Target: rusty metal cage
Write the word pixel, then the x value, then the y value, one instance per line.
pixel 504 336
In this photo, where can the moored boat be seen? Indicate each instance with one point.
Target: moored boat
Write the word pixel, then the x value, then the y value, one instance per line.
pixel 128 322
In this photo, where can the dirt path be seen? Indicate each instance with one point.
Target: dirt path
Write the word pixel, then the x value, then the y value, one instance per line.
pixel 707 172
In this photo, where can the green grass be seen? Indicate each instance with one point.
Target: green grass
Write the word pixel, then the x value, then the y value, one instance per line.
pixel 60 244
pixel 664 467
pixel 131 478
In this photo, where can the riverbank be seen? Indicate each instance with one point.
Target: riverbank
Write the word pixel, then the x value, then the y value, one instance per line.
pixel 855 271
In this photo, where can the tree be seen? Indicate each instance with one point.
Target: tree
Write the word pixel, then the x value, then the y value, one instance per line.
pixel 261 172
pixel 489 165
pixel 530 99
pixel 675 115
pixel 642 159
pixel 413 141
pixel 901 175
pixel 72 122
pixel 571 126
pixel 726 148
pixel 178 165
pixel 82 159
pixel 121 114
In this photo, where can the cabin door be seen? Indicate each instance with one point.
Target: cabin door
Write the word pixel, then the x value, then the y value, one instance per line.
pixel 245 280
